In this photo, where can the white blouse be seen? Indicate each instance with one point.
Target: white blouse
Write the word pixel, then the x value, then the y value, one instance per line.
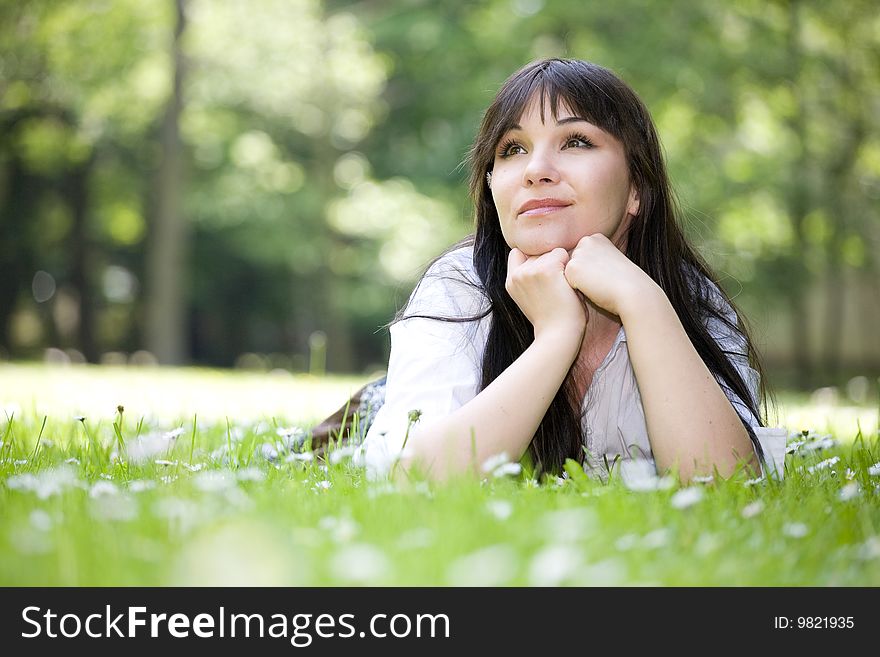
pixel 435 367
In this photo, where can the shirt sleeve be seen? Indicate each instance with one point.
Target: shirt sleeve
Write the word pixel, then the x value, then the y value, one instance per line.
pixel 434 367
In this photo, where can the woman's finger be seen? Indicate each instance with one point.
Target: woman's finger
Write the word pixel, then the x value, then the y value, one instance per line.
pixel 515 259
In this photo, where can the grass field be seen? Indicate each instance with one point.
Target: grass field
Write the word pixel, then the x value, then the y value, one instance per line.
pixel 192 485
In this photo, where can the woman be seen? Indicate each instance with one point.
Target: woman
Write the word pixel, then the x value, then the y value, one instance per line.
pixel 577 322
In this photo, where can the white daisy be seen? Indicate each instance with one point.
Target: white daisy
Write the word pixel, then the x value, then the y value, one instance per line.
pixel 641 475
pixel 250 474
pixel 501 509
pixel 821 465
pixel 795 529
pixel 850 491
pixel 506 469
pixel 657 538
pixel 361 564
pixel 47 483
pixel 495 461
pixel 341 453
pixel 304 457
pixel 686 497
pixel 490 566
pixel 102 488
pixel 553 565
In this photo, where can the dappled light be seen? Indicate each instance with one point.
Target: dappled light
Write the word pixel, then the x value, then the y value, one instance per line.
pixel 210 212
pixel 282 168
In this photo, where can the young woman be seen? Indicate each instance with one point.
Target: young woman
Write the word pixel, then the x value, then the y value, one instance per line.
pixel 577 321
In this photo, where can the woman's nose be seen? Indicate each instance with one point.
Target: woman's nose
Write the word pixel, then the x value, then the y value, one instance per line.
pixel 540 169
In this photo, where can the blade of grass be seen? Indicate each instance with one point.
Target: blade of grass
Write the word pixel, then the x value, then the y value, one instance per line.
pixel 39 438
pixel 7 444
pixel 192 442
pixel 117 429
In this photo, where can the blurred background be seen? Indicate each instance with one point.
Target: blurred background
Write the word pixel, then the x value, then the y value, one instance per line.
pixel 259 184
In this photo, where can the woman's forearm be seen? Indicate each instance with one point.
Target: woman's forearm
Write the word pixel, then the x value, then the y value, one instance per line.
pixel 690 420
pixel 501 418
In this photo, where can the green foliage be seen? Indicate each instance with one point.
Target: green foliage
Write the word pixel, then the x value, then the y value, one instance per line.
pixel 323 144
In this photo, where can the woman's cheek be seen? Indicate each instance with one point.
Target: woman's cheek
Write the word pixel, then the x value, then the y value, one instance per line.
pixel 505 233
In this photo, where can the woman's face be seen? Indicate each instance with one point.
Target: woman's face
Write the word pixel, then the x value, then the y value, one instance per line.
pixel 557 180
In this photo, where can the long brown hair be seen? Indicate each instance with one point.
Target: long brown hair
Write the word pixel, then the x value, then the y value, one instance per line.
pixel 655 242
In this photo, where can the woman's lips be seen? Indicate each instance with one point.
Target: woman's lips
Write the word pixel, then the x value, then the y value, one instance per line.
pixel 542 206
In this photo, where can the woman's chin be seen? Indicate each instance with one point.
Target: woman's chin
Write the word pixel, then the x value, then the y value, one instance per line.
pixel 536 248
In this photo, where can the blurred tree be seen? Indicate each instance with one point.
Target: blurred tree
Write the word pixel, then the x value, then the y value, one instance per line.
pixel 279 92
pixel 803 182
pixel 322 144
pixel 167 252
pixel 78 92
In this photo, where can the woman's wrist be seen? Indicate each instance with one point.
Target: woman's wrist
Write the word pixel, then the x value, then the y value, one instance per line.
pixel 642 300
pixel 566 337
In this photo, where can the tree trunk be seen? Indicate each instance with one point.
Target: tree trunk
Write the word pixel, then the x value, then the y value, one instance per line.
pixel 165 330
pixel 82 259
pixel 16 255
pixel 834 310
pixel 340 350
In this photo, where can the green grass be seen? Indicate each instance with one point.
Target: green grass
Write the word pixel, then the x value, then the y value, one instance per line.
pixel 215 511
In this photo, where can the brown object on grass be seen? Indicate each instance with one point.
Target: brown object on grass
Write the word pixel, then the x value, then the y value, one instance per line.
pixel 337 426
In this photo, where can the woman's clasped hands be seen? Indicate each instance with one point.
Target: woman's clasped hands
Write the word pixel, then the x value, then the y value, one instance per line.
pixel 546 286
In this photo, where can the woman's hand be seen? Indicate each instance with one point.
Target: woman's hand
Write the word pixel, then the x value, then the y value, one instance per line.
pixel 537 284
pixel 602 273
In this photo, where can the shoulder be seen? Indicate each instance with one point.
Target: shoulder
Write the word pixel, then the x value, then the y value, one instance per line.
pixel 449 287
pixel 456 264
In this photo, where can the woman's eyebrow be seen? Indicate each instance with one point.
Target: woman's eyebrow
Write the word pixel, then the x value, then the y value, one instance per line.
pixel 566 120
pixel 571 119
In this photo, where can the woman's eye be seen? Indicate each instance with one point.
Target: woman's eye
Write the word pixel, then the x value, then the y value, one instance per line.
pixel 578 142
pixel 510 148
